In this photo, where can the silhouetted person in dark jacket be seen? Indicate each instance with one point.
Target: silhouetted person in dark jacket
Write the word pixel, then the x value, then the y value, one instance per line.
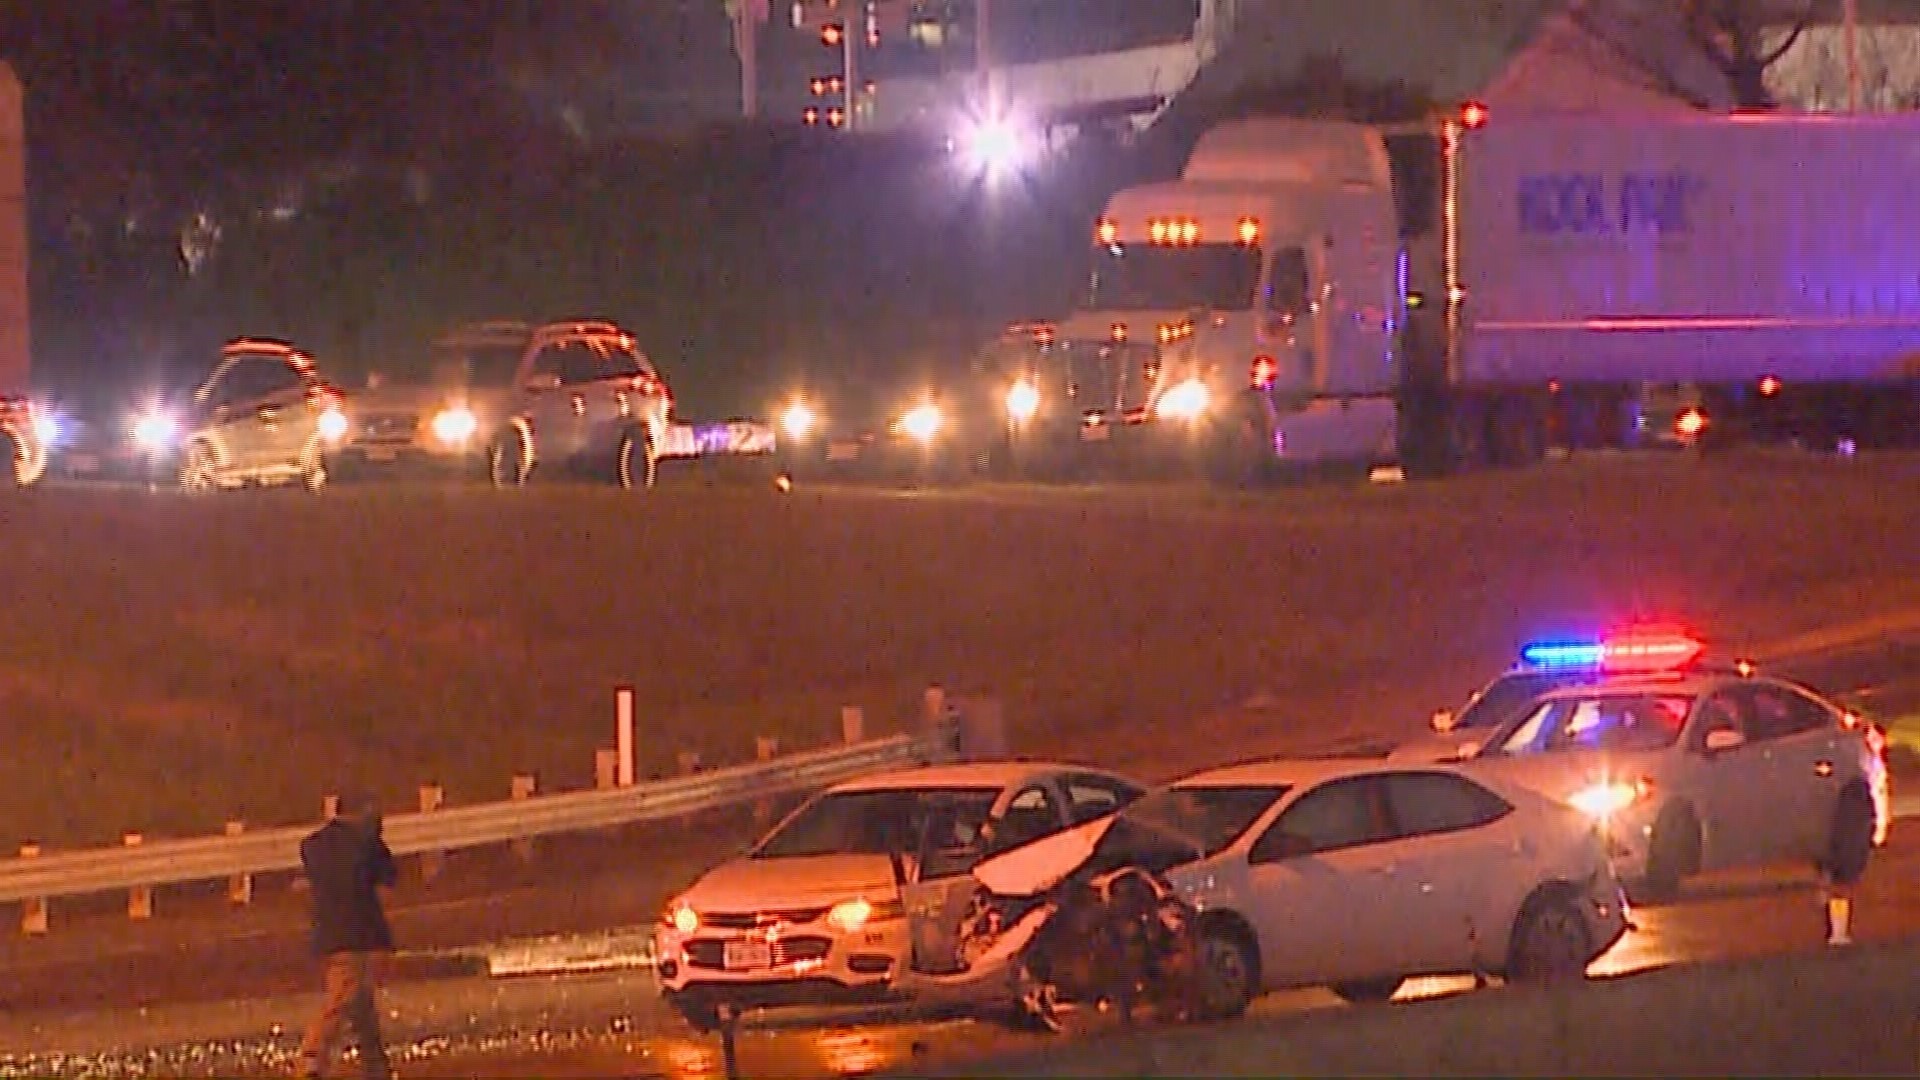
pixel 346 860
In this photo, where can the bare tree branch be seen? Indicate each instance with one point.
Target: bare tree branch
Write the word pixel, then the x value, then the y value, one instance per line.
pixel 1656 75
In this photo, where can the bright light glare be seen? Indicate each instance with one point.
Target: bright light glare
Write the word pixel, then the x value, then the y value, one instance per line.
pixel 1603 800
pixel 1183 401
pixel 849 916
pixel 1023 400
pixel 333 425
pixel 46 428
pixel 455 425
pixel 922 423
pixel 798 420
pixel 154 431
pixel 995 147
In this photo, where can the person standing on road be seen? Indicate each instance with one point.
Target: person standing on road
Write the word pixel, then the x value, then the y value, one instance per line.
pixel 346 860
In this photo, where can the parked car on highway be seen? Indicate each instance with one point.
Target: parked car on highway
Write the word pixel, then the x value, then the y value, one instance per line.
pixel 863 885
pixel 1689 765
pixel 1357 874
pixel 512 400
pixel 264 416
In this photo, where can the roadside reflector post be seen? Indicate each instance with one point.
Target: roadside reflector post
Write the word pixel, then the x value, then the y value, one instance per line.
pixel 623 720
pixel 933 707
pixel 524 786
pixel 329 808
pixel 764 748
pixel 689 764
pixel 239 886
pixel 606 768
pixel 853 724
pixel 33 912
pixel 140 897
pixel 432 796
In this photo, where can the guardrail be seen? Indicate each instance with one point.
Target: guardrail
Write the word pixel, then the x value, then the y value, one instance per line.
pixel 172 862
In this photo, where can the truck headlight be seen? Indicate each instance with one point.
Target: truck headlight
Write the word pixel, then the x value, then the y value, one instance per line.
pixel 1183 401
pixel 798 420
pixel 455 425
pixel 332 425
pixel 1023 400
pixel 922 423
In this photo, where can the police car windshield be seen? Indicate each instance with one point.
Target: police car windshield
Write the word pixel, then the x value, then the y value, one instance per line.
pixel 1496 703
pixel 1624 723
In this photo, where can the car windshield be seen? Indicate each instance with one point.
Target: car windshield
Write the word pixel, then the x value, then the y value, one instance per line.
pixel 1496 703
pixel 1611 722
pixel 478 365
pixel 1150 277
pixel 885 822
pixel 1209 817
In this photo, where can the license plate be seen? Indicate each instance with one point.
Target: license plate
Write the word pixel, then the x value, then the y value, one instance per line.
pixel 843 451
pixel 381 453
pixel 746 955
pixel 1095 433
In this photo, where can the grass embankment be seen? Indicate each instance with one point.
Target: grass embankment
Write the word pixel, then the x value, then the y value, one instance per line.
pixel 166 663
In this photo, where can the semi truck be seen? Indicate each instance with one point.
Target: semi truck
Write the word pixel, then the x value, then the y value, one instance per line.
pixel 1483 289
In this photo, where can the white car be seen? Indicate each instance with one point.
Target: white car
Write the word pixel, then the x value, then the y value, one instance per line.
pixel 1696 772
pixel 1355 874
pixel 863 886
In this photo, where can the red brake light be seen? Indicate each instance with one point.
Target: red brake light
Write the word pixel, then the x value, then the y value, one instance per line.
pixel 1473 116
pixel 1265 370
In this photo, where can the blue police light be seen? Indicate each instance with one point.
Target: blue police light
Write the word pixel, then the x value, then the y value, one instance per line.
pixel 1564 654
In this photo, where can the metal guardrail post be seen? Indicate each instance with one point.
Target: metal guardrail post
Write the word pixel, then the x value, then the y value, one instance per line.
pixel 606 769
pixel 764 749
pixel 33 911
pixel 140 897
pixel 432 796
pixel 524 785
pixel 853 724
pixel 239 886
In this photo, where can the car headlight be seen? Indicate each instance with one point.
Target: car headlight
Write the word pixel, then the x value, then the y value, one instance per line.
pixel 922 423
pixel 455 425
pixel 155 431
pixel 46 428
pixel 1183 401
pixel 849 916
pixel 798 420
pixel 333 425
pixel 1604 800
pixel 1023 400
pixel 684 919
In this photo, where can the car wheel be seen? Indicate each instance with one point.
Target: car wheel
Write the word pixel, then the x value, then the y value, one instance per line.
pixel 1550 940
pixel 1229 974
pixel 10 458
pixel 1672 853
pixel 1850 839
pixel 197 474
pixel 636 467
pixel 507 460
pixel 1365 991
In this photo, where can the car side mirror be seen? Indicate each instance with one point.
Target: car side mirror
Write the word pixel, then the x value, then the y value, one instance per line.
pixel 1722 739
pixel 1442 720
pixel 541 381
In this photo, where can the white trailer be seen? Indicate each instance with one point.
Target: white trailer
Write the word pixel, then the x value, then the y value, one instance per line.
pixel 1540 279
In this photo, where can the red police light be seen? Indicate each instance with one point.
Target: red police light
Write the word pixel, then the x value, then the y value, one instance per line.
pixel 1473 116
pixel 811 115
pixel 836 117
pixel 833 35
pixel 1265 371
pixel 817 86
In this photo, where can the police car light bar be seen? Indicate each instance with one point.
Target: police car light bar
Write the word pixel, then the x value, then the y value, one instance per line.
pixel 1629 652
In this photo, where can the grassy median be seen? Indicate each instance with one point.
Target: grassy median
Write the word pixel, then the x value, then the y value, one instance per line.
pixel 166 663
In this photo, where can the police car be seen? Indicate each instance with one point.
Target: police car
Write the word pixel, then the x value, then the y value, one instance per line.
pixel 1689 764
